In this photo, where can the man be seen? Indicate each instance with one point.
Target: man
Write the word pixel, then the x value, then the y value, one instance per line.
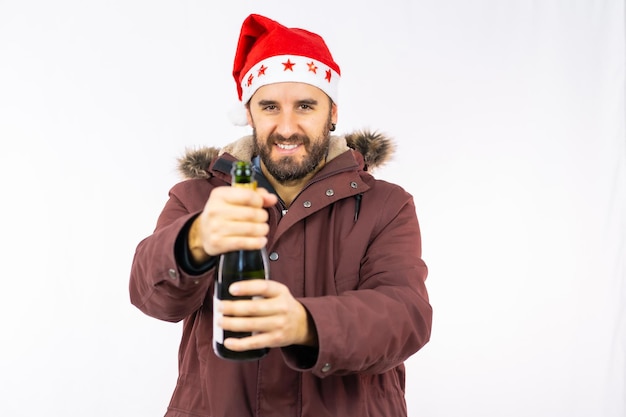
pixel 346 304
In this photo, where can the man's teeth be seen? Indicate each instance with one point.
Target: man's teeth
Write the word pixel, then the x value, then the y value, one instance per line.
pixel 281 146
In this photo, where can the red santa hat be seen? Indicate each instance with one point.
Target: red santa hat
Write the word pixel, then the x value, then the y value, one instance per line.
pixel 268 52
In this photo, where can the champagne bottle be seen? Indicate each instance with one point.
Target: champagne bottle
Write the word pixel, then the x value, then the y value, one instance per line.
pixel 238 266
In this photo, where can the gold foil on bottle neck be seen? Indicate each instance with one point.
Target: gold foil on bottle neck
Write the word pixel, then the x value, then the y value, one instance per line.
pixel 251 185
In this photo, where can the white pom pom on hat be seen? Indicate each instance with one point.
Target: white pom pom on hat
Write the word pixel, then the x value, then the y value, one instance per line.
pixel 268 52
pixel 237 114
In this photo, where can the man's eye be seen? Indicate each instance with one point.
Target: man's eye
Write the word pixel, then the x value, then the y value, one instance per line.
pixel 305 106
pixel 269 107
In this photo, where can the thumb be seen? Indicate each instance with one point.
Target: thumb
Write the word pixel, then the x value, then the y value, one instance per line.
pixel 269 199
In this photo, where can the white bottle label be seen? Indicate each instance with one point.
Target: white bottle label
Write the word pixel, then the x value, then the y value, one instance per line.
pixel 218 333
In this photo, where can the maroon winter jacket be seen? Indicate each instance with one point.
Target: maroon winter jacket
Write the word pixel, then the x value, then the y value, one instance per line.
pixel 349 250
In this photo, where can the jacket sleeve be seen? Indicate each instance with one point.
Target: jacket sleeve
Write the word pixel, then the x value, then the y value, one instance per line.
pixel 162 283
pixel 377 326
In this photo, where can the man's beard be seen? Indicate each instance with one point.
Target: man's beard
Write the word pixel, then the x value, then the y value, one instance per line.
pixel 287 169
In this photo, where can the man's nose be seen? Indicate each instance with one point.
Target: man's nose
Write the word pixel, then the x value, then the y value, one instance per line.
pixel 287 124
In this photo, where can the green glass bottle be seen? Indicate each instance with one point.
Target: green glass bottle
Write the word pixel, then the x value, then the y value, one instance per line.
pixel 238 266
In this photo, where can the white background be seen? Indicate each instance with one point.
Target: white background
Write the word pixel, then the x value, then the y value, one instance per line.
pixel 510 123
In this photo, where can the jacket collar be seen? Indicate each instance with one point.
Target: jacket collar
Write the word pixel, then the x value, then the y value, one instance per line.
pixel 375 150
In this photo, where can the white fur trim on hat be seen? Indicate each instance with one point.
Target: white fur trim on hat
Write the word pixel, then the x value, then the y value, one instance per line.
pixel 290 68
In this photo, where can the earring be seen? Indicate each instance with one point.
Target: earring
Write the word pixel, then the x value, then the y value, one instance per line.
pixel 332 127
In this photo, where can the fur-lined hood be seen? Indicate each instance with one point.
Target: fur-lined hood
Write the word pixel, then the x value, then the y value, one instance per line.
pixel 376 148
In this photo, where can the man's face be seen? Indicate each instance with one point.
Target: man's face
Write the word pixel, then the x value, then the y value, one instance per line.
pixel 291 124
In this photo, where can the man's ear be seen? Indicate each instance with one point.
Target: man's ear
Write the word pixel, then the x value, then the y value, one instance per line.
pixel 249 116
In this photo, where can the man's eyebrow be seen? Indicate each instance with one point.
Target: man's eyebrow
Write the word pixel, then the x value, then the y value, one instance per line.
pixel 263 103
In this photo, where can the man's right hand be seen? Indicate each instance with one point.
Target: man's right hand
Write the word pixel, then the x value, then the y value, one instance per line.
pixel 232 219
